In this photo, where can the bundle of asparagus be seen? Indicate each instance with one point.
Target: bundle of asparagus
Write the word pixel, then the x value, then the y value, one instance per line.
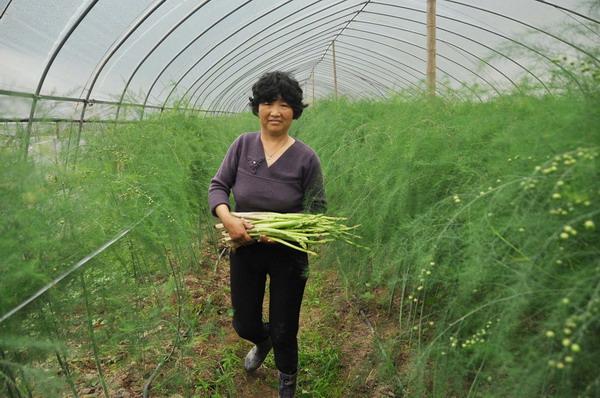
pixel 296 230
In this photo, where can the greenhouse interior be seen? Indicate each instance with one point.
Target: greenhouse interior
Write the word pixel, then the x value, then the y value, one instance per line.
pixel 456 144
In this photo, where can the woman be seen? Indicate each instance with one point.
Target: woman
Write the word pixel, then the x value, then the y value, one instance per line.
pixel 268 171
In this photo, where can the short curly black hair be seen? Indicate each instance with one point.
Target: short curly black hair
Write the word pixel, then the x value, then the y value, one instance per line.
pixel 273 85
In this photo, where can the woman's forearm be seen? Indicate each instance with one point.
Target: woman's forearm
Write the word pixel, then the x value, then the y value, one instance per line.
pixel 222 211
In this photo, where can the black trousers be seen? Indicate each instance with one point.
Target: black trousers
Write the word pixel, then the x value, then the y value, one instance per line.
pixel 288 271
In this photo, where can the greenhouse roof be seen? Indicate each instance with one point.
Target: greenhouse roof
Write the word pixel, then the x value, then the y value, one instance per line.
pixel 57 56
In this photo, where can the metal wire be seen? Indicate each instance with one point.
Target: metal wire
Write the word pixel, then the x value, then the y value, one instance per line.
pixel 529 26
pixel 358 73
pixel 160 41
pixel 207 52
pixel 462 49
pixel 205 80
pixel 568 10
pixel 235 56
pixel 100 67
pixel 5 8
pixel 191 68
pixel 293 48
pixel 74 268
pixel 47 67
pixel 262 44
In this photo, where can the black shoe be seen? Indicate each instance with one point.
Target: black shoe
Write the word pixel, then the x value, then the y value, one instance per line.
pixel 256 356
pixel 287 385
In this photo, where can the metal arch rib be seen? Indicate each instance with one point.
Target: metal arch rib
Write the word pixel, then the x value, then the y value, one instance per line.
pixel 421 59
pixel 568 10
pixel 316 36
pixel 227 101
pixel 482 78
pixel 206 53
pixel 370 64
pixel 308 41
pixel 237 59
pixel 529 26
pixel 348 68
pixel 5 8
pixel 496 34
pixel 344 28
pixel 389 60
pixel 212 104
pixel 238 103
pixel 49 64
pixel 422 48
pixel 311 45
pixel 499 35
pixel 100 67
pixel 451 44
pixel 162 39
pixel 458 34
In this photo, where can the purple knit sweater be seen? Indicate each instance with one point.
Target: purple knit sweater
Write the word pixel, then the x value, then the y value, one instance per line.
pixel 293 184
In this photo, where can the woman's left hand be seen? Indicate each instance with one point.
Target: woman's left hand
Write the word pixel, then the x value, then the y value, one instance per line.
pixel 264 239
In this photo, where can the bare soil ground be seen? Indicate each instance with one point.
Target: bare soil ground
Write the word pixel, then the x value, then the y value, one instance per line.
pixel 212 358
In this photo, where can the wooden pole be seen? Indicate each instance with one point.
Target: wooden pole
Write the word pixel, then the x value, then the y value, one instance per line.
pixel 431 51
pixel 335 86
pixel 313 87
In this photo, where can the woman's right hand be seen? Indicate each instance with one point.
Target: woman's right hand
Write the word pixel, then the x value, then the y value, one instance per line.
pixel 237 228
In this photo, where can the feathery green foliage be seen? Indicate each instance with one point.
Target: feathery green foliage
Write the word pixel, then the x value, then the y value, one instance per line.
pixel 482 219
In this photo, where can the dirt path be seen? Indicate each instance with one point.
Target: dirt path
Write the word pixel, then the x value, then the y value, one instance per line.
pixel 335 338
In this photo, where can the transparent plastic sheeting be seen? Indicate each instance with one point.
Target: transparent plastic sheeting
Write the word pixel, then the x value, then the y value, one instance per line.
pixel 209 52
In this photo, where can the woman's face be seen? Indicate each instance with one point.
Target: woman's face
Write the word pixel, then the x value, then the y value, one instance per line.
pixel 275 117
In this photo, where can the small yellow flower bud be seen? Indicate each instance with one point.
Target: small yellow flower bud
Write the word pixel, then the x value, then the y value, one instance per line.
pixel 589 224
pixel 575 347
pixel 569 359
pixel 566 342
pixel 560 365
pixel 549 334
pixel 564 235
